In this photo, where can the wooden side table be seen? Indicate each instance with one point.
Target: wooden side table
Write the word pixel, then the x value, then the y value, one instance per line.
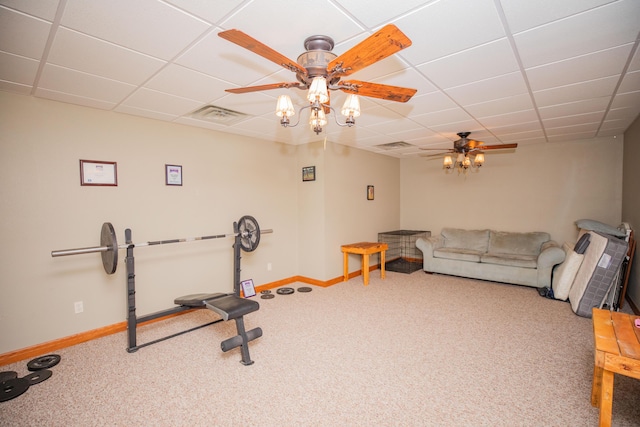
pixel 617 351
pixel 365 249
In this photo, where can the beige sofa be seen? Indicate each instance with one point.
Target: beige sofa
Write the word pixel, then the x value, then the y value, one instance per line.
pixel 518 258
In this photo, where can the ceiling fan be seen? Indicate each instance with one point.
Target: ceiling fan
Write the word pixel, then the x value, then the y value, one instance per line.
pixel 470 146
pixel 319 70
pixel 463 147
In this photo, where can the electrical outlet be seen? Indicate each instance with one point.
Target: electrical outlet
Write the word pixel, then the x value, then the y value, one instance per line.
pixel 268 266
pixel 78 306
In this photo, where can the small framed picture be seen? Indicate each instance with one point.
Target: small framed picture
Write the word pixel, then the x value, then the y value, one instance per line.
pixel 94 172
pixel 248 289
pixel 173 174
pixel 370 193
pixel 309 173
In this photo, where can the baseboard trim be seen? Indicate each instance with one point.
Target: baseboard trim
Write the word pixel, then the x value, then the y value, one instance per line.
pixel 51 346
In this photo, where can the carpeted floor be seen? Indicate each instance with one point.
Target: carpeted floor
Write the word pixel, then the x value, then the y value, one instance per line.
pixel 410 350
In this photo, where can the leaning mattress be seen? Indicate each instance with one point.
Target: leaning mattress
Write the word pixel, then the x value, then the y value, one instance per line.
pixel 598 272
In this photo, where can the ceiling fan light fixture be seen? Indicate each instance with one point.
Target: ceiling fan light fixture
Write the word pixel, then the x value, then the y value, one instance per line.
pixel 478 160
pixel 284 106
pixel 318 90
pixel 317 120
pixel 447 163
pixel 351 108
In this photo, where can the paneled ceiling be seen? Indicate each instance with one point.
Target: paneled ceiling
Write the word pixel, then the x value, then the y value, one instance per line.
pixel 509 71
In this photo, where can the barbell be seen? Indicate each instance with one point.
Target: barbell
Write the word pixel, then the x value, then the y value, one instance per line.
pixel 246 230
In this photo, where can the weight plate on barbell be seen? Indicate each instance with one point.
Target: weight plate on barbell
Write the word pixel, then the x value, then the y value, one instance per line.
pixel 43 362
pixel 38 376
pixel 13 388
pixel 249 233
pixel 110 257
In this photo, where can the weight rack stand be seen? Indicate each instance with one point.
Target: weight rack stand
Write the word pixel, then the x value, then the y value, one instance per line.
pixel 133 320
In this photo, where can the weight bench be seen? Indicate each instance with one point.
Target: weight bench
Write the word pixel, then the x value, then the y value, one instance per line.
pixel 228 307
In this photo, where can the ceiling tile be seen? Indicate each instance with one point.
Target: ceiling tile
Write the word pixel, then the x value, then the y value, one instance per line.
pixel 630 83
pixel 576 92
pixel 13 28
pixel 186 83
pixel 45 9
pixel 572 108
pixel 594 66
pixel 120 22
pixel 152 100
pixel 489 60
pixel 445 27
pixel 85 85
pixel 74 50
pixel 506 118
pixel 500 106
pixel 18 69
pixel 523 15
pixel 207 10
pixel 494 88
pixel 609 26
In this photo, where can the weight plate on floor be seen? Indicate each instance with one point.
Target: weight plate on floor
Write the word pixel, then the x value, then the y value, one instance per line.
pixel 13 388
pixel 267 296
pixel 38 376
pixel 8 375
pixel 249 233
pixel 110 257
pixel 285 291
pixel 266 291
pixel 304 289
pixel 43 362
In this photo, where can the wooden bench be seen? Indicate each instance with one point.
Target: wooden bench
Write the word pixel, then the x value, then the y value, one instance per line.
pixel 617 351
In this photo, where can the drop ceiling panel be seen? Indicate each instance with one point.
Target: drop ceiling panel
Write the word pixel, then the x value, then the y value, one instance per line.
pixel 500 106
pixel 494 88
pixel 523 15
pixel 78 51
pixel 45 9
pixel 18 69
pixel 609 26
pixel 452 70
pixel 122 21
pixel 152 100
pixel 577 91
pixel 13 28
pixel 211 11
pixel 183 82
pixel 84 85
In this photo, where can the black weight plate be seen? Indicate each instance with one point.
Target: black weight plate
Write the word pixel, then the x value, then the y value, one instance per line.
pixel 266 291
pixel 8 375
pixel 43 362
pixel 13 388
pixel 267 296
pixel 304 289
pixel 110 257
pixel 38 376
pixel 249 233
pixel 285 291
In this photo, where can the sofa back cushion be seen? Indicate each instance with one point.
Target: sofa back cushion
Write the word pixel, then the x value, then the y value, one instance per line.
pixel 476 240
pixel 504 242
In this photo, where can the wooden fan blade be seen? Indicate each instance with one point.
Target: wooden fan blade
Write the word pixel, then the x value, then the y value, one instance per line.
pixel 385 42
pixel 248 42
pixel 494 147
pixel 377 90
pixel 266 87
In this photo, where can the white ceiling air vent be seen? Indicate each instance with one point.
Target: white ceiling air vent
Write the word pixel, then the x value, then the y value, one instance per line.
pixel 213 114
pixel 394 145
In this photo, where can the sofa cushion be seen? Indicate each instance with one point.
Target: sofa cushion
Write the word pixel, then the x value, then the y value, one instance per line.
pixel 475 240
pixel 458 254
pixel 513 260
pixel 503 242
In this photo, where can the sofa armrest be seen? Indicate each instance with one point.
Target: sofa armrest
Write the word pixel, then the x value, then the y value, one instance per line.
pixel 551 254
pixel 427 246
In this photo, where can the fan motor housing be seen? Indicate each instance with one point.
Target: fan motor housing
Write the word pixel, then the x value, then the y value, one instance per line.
pixel 317 57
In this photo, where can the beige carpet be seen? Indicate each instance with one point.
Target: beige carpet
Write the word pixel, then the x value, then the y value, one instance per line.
pixel 411 350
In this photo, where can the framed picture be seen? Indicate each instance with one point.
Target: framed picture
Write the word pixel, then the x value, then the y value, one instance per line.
pixel 173 174
pixel 248 290
pixel 94 172
pixel 309 173
pixel 370 193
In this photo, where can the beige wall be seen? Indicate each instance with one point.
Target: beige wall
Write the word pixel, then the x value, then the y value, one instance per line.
pixel 631 201
pixel 44 208
pixel 542 187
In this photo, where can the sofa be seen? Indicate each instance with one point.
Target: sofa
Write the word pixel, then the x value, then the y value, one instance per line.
pixel 509 257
